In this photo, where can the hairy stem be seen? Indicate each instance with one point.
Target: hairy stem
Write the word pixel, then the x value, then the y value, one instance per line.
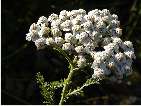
pixel 67 81
pixel 65 88
pixel 75 91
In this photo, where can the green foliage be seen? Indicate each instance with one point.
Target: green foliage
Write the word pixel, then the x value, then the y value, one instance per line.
pixel 91 81
pixel 66 92
pixel 48 88
pixel 79 90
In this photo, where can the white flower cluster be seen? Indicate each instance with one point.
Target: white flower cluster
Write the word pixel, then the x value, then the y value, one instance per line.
pixel 94 35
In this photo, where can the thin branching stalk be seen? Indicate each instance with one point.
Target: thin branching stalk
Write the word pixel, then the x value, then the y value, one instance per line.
pixel 65 88
pixel 64 54
pixel 67 81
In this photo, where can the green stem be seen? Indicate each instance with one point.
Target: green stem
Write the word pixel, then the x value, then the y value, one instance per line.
pixel 75 91
pixel 87 83
pixel 67 81
pixel 65 88
pixel 64 54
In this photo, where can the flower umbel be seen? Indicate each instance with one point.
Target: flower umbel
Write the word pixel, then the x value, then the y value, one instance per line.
pixel 95 34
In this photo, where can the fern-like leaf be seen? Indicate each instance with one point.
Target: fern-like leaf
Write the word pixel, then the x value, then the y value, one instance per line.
pixel 48 88
pixel 79 90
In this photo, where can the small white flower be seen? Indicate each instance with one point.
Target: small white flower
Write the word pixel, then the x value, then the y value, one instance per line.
pixel 90 18
pixel 63 15
pixel 112 47
pixel 115 23
pixel 73 14
pixel 76 28
pixel 82 12
pixel 42 20
pixel 79 49
pixel 66 26
pixel 28 36
pixel 116 40
pixel 55 23
pixel 94 12
pixel 78 20
pixel 64 12
pixel 116 32
pixel 119 56
pixel 34 27
pixel 87 25
pixel 67 46
pixel 119 31
pixel 70 38
pixel 81 62
pixel 40 43
pixel 130 54
pixel 106 19
pixel 50 41
pixel 95 35
pixel 33 35
pixel 44 32
pixel 56 32
pixel 115 17
pixel 59 40
pixel 98 72
pixel 52 17
pixel 83 38
pixel 89 47
pixel 128 44
pixel 101 56
pixel 105 12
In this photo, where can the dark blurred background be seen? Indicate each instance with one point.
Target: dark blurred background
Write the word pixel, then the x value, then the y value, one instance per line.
pixel 20 59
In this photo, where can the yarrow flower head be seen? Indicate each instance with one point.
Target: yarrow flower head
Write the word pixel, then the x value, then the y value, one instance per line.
pixel 95 34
